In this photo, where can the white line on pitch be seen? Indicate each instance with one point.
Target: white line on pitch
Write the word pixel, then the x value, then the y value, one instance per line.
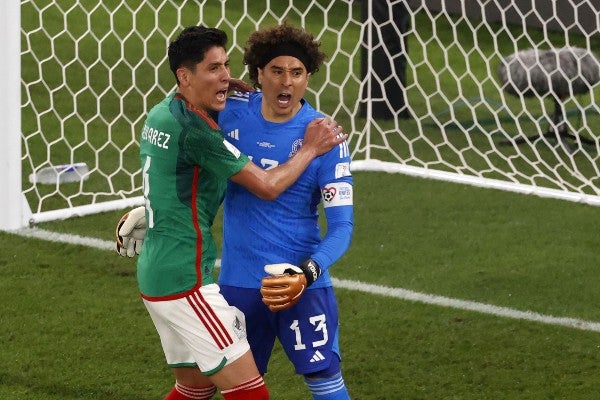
pixel 465 305
pixel 66 238
pixel 398 293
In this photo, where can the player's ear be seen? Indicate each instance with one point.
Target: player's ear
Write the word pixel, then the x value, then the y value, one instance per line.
pixel 183 75
pixel 259 78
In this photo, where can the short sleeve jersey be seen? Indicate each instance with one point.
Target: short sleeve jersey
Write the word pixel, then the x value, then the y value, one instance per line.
pixel 185 167
pixel 258 232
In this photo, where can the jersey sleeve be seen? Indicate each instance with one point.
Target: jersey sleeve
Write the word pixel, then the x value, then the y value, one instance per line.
pixel 209 149
pixel 335 181
pixel 203 141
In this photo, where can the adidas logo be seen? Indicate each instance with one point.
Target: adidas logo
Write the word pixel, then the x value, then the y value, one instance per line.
pixel 344 149
pixel 317 357
pixel 234 134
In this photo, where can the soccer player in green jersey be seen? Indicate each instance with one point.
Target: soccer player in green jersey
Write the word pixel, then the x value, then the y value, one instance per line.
pixel 185 166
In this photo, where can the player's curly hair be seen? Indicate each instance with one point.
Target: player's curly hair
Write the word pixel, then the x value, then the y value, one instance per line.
pixel 261 43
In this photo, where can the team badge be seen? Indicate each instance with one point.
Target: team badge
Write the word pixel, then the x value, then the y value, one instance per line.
pixel 239 328
pixel 295 147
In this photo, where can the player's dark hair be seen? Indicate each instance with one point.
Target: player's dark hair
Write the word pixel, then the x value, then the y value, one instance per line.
pixel 263 44
pixel 189 48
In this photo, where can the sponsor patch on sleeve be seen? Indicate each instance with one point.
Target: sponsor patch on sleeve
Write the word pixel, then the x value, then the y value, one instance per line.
pixel 342 169
pixel 337 194
pixel 234 150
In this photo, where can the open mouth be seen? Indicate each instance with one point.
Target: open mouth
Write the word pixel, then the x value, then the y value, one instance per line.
pixel 222 94
pixel 284 99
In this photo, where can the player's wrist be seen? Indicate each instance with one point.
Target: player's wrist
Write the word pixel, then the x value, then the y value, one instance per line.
pixel 310 151
pixel 311 271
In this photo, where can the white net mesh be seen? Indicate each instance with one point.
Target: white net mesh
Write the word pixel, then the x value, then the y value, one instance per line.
pixel 437 105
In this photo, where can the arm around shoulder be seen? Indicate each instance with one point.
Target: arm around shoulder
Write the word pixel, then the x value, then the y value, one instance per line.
pixel 321 136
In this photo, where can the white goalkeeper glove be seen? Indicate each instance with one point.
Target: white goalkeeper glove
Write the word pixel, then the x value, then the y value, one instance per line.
pixel 286 284
pixel 130 232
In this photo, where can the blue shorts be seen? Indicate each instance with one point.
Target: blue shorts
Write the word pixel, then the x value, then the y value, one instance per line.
pixel 308 332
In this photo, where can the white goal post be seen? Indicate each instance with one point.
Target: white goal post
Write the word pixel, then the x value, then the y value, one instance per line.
pixel 495 94
pixel 12 203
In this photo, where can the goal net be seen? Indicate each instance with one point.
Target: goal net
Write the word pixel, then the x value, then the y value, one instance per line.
pixel 444 90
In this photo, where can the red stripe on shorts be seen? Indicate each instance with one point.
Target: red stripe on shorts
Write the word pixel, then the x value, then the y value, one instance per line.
pixel 210 320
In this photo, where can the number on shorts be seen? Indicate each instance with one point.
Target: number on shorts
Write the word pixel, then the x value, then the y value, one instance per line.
pixel 319 322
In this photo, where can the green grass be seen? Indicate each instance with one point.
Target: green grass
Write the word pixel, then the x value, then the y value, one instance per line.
pixel 73 325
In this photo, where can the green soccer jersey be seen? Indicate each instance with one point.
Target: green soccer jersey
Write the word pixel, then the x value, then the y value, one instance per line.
pixel 185 166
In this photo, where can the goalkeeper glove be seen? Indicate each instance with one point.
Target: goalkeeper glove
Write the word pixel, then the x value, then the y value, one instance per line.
pixel 130 232
pixel 287 282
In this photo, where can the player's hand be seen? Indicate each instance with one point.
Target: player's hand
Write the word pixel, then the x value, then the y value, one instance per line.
pixel 238 85
pixel 323 134
pixel 286 284
pixel 130 232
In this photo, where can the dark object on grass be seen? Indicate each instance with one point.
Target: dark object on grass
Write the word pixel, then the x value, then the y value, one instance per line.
pixel 558 73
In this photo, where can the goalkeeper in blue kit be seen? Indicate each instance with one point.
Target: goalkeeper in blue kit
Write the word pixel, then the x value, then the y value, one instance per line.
pixel 268 126
pixel 275 262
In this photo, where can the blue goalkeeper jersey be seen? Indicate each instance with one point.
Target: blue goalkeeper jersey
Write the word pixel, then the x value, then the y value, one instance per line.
pixel 258 232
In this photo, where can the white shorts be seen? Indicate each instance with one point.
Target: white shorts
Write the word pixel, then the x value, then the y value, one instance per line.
pixel 200 329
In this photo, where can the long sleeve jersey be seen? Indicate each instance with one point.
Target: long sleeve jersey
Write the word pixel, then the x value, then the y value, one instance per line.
pixel 258 232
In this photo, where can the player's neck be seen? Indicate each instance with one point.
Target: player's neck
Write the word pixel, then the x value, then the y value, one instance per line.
pixel 279 118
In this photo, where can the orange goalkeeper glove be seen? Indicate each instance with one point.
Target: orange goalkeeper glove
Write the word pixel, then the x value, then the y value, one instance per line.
pixel 286 284
pixel 130 232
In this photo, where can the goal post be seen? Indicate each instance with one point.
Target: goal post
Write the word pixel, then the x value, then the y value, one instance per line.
pixel 14 209
pixel 85 73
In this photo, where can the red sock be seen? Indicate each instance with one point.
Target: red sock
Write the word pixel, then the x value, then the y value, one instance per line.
pixel 181 392
pixel 254 389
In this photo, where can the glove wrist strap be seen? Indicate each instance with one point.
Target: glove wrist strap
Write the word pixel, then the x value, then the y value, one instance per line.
pixel 311 270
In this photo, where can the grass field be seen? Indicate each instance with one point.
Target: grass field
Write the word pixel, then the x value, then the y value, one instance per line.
pixel 73 326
